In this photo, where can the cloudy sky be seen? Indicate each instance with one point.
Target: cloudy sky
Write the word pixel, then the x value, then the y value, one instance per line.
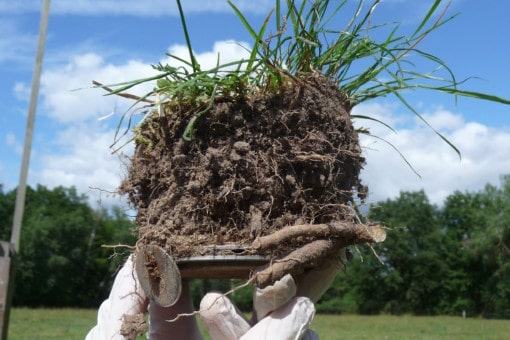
pixel 113 41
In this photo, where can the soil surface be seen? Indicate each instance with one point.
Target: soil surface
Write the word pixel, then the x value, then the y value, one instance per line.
pixel 253 166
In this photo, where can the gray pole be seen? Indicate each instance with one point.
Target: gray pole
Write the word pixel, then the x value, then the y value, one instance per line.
pixel 8 250
pixel 20 194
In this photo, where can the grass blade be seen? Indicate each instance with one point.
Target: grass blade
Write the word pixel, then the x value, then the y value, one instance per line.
pixel 194 63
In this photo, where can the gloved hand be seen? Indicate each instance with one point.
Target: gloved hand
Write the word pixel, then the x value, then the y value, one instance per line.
pixel 281 311
pixel 127 302
pixel 278 314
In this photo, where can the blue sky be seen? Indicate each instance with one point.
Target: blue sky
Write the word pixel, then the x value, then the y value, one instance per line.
pixel 112 41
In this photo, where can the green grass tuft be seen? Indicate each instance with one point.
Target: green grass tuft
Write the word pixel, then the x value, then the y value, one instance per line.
pixel 306 40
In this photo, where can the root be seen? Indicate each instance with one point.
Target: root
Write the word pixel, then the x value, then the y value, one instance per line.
pixel 348 233
pixel 295 262
pixel 335 236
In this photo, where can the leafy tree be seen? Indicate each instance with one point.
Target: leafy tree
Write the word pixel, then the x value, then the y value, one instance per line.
pixel 487 244
pixel 61 261
pixel 437 261
pixel 462 219
pixel 114 229
pixel 370 288
pixel 52 259
pixel 340 297
pixel 412 252
pixel 7 202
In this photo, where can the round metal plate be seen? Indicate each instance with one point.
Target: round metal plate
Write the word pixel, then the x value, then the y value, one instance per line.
pixel 158 275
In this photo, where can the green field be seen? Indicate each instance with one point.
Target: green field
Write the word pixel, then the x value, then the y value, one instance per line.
pixel 74 324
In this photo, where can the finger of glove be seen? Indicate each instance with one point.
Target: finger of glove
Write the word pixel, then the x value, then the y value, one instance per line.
pixel 221 318
pixel 272 297
pixel 126 298
pixel 184 327
pixel 315 282
pixel 289 322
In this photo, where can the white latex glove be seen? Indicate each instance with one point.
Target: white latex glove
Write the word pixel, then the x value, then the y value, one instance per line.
pixel 314 283
pixel 128 298
pixel 278 313
pixel 281 311
pixel 281 315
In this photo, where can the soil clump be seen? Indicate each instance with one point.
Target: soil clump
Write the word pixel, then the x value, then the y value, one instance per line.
pixel 254 166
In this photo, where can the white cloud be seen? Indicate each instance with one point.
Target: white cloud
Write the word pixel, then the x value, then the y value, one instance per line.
pixel 485 155
pixel 78 153
pixel 66 89
pixel 21 91
pixel 81 157
pixel 227 50
pixel 441 119
pixel 16 46
pixel 134 7
pixel 11 141
pixel 382 113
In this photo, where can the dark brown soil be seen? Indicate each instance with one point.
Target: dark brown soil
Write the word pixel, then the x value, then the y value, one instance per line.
pixel 254 166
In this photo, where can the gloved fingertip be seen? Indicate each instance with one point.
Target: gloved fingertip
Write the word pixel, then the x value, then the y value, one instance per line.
pixel 273 297
pixel 290 321
pixel 221 318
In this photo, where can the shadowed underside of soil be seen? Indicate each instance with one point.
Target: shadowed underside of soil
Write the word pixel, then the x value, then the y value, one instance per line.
pixel 254 166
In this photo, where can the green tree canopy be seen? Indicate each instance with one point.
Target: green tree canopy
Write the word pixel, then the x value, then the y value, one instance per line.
pixel 61 261
pixel 436 260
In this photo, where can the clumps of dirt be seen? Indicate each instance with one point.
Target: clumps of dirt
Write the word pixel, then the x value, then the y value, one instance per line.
pixel 133 325
pixel 253 167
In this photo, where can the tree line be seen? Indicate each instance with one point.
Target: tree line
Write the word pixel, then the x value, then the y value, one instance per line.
pixel 61 261
pixel 435 260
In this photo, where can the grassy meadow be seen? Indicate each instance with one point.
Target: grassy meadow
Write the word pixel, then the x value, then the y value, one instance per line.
pixel 74 323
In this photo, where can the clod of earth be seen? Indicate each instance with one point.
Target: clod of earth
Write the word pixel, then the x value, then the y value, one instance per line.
pixel 132 325
pixel 255 166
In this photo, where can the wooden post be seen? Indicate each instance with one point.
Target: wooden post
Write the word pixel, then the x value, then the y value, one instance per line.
pixel 6 277
pixel 8 250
